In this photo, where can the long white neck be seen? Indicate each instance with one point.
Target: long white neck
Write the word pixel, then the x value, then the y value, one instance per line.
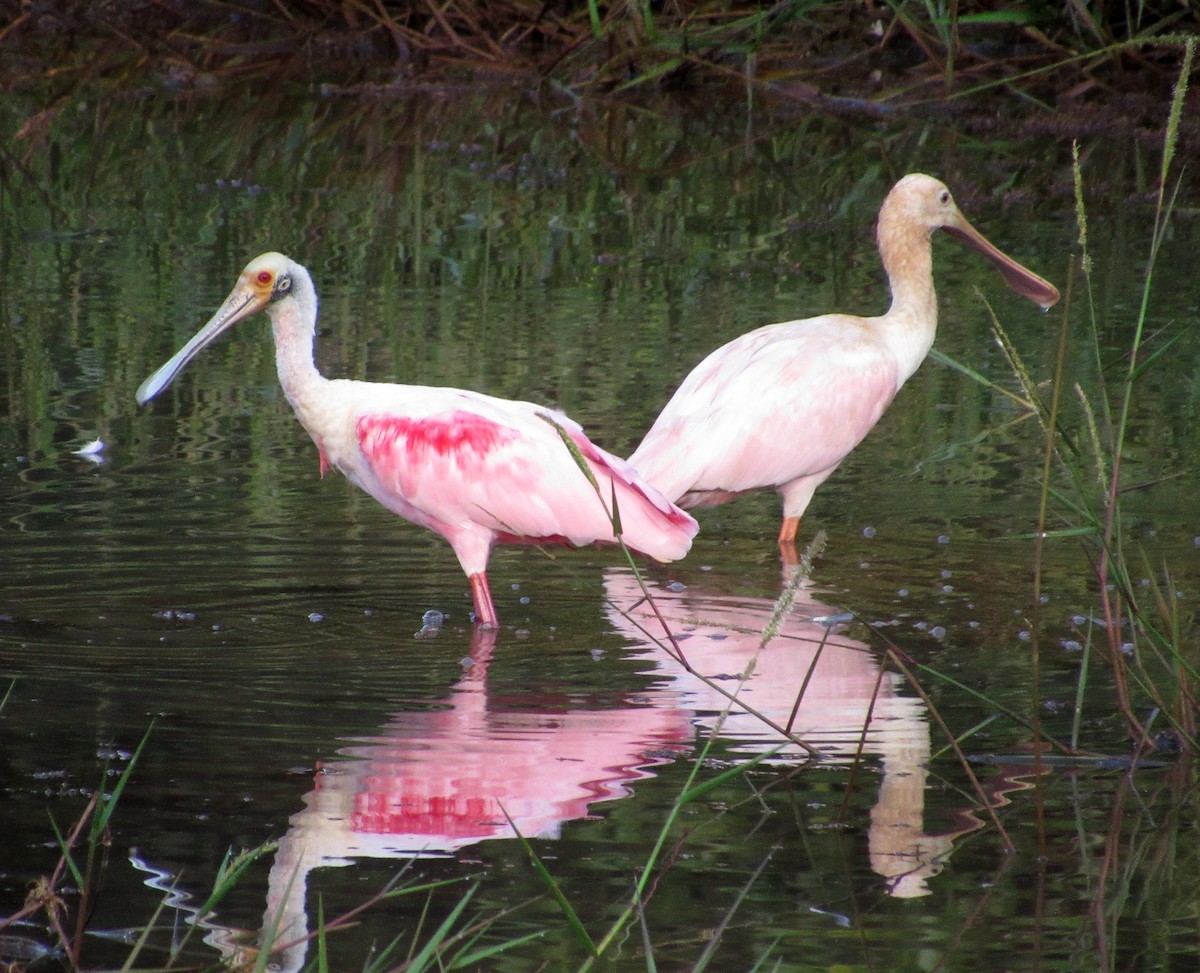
pixel 294 321
pixel 911 321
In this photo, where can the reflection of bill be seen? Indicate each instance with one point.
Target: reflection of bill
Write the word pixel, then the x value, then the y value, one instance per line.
pixel 828 689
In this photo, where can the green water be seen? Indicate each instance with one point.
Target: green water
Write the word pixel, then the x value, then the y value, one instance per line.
pixel 203 579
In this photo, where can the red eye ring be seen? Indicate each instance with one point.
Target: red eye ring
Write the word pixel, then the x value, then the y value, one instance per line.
pixel 264 277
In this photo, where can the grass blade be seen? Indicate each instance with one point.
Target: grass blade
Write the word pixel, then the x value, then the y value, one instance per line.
pixel 564 904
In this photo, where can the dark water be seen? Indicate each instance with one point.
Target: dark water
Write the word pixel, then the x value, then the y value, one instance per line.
pixel 200 582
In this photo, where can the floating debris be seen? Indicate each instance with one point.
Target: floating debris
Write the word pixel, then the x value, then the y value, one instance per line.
pixel 841 919
pixel 174 615
pixel 23 950
pixel 837 618
pixel 91 451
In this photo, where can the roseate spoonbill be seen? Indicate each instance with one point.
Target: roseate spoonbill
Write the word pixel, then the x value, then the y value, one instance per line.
pixel 476 469
pixel 783 405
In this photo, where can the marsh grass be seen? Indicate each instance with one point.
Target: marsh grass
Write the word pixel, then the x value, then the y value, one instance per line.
pixel 83 860
pixel 65 900
pixel 1142 636
pixel 1146 639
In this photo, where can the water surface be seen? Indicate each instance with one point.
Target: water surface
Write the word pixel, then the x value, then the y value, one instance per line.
pixel 197 577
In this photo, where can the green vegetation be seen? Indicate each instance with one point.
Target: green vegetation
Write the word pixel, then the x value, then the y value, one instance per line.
pixel 66 899
pixel 1144 636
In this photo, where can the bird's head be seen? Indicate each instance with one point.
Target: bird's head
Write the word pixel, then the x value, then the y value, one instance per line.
pixel 921 201
pixel 265 279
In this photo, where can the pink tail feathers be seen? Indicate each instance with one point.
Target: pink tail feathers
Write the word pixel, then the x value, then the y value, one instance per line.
pixel 650 524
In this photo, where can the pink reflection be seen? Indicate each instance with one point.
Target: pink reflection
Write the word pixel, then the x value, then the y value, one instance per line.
pixel 845 699
pixel 434 781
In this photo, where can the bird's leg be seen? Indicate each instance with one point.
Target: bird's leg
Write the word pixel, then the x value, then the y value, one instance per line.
pixel 787 531
pixel 485 611
pixel 787 540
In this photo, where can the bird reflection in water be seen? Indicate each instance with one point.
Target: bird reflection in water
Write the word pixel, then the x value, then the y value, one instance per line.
pixel 828 689
pixel 436 780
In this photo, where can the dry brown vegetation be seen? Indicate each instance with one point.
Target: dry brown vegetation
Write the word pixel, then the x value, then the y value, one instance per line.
pixel 851 55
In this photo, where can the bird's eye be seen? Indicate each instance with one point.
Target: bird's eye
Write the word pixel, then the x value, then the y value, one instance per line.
pixel 944 197
pixel 264 277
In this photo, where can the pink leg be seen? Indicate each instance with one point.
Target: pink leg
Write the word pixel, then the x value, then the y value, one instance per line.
pixel 485 611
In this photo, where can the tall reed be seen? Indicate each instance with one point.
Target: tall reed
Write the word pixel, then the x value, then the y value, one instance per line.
pixel 1142 636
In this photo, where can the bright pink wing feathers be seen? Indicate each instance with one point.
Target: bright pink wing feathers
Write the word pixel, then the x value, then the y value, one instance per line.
pixel 508 476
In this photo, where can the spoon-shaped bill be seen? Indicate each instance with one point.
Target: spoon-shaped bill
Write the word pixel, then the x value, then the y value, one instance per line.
pixel 1022 280
pixel 240 304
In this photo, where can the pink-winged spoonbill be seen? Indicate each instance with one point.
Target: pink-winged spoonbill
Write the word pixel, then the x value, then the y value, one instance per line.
pixel 476 469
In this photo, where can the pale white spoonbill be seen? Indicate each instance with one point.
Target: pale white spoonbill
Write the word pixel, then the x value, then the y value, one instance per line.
pixel 783 405
pixel 476 469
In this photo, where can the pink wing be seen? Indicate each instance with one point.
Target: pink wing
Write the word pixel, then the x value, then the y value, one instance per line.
pixel 500 469
pixel 776 404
